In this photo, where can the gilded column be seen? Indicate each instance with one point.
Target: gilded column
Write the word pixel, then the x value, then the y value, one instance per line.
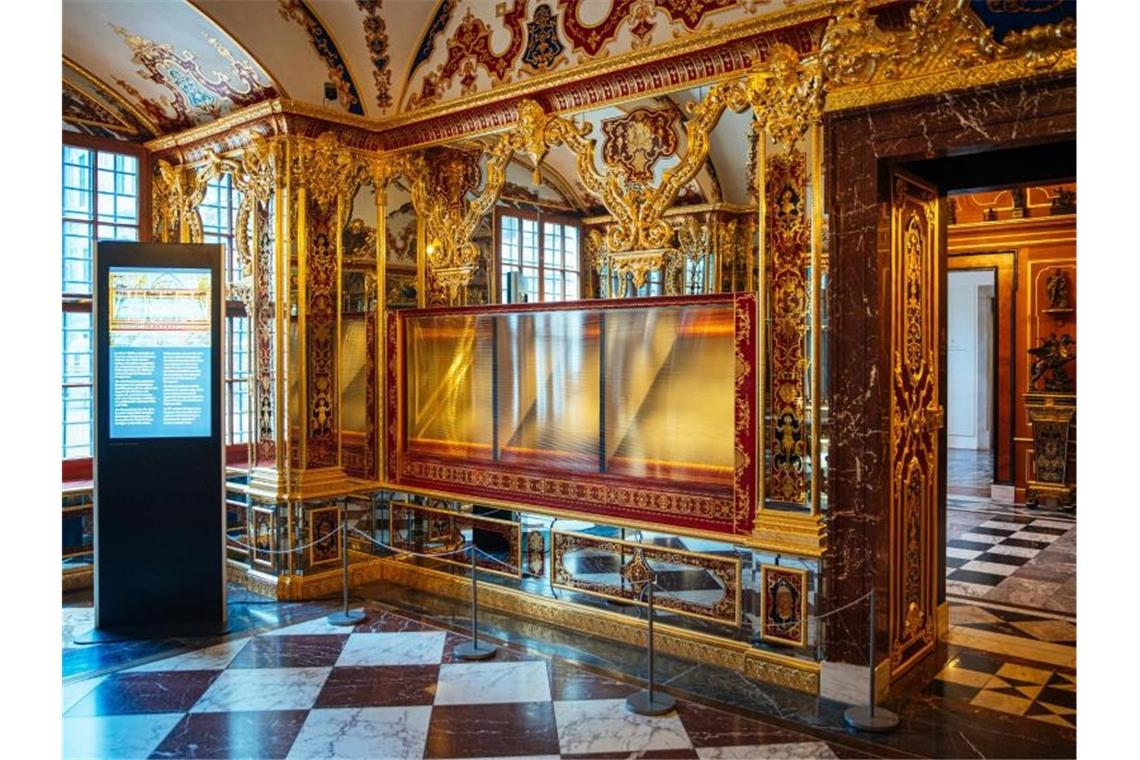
pixel 324 177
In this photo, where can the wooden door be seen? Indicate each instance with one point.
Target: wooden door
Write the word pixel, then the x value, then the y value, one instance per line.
pixel 917 416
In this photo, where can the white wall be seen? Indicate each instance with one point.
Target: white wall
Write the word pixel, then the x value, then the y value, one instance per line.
pixel 969 357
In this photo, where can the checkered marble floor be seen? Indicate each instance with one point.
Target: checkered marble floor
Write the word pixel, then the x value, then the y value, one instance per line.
pixel 1012 558
pixel 390 687
pixel 1029 625
pixel 993 683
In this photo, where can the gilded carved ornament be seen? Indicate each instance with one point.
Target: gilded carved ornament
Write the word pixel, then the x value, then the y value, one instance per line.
pixel 255 177
pixel 178 191
pixel 326 169
pixel 450 219
pixel 941 35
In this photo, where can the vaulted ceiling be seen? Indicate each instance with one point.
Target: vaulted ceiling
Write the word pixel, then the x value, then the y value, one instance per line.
pixel 136 70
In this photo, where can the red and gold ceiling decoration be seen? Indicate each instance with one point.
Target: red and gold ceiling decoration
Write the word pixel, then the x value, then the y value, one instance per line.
pixel 634 143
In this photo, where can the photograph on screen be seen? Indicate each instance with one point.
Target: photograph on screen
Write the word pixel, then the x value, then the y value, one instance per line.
pixel 159 330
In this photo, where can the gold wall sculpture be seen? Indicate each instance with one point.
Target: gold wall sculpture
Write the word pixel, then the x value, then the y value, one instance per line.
pixel 441 182
pixel 944 47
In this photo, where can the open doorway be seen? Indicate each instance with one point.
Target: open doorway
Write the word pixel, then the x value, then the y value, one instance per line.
pixel 1009 231
pixel 971 381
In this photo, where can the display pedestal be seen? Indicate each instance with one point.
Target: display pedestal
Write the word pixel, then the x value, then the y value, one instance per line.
pixel 1051 416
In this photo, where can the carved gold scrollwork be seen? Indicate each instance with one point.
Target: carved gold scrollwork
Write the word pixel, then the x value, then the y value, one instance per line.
pixel 638 209
pixel 326 169
pixel 787 96
pixel 940 35
pixel 255 178
pixel 178 191
pixel 694 239
pixel 450 219
pixel 916 415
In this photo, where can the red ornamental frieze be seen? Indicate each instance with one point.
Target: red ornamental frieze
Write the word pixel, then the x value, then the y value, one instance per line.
pixel 744 436
pixel 653 77
pixel 633 501
pixel 265 308
pixel 788 240
pixel 321 340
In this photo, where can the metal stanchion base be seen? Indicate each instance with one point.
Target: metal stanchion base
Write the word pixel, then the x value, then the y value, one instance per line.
pixel 352 617
pixel 639 703
pixel 475 650
pixel 862 718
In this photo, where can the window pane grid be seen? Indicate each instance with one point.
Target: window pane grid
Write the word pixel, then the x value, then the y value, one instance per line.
pixel 100 202
pixel 219 221
pixel 237 380
pixel 548 262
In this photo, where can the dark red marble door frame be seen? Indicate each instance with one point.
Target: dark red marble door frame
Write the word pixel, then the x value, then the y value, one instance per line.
pixel 861 145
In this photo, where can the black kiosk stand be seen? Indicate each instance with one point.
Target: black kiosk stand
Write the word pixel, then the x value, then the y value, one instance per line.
pixel 159 464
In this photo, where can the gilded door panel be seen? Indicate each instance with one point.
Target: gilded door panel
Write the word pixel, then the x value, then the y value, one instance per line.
pixel 916 418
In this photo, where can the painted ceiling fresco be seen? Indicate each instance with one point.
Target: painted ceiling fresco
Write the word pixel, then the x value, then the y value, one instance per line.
pixel 177 63
pixel 91 107
pixel 168 61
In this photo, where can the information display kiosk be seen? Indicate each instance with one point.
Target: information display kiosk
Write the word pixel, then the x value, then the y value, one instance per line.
pixel 159 465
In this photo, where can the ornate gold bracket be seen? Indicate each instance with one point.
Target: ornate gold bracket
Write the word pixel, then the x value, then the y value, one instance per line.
pixel 449 222
pixel 945 46
pixel 327 170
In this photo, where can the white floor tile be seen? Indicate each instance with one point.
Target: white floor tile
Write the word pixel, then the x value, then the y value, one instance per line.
pixel 363 732
pixel 605 725
pixel 1029 535
pixel 263 689
pixel 405 648
pixel 1002 525
pixel 994 568
pixel 310 627
pixel 73 692
pixel 471 683
pixel 982 538
pixel 961 553
pixel 1014 551
pixel 211 658
pixel 116 736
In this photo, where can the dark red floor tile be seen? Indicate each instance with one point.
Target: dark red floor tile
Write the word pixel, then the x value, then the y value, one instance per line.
pixel 379 686
pixel 306 651
pixel 157 692
pixel 709 727
pixel 569 682
pixel 264 735
pixel 523 728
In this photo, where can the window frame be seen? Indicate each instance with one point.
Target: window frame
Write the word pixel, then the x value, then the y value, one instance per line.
pixel 81 468
pixel 540 218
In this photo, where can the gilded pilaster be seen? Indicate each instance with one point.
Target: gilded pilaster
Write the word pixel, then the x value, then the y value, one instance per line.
pixel 323 178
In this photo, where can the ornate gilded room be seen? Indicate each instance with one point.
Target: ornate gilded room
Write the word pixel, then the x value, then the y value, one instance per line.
pixel 569 378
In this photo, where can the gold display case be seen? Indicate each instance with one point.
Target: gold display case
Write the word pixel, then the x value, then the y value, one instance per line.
pixel 629 409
